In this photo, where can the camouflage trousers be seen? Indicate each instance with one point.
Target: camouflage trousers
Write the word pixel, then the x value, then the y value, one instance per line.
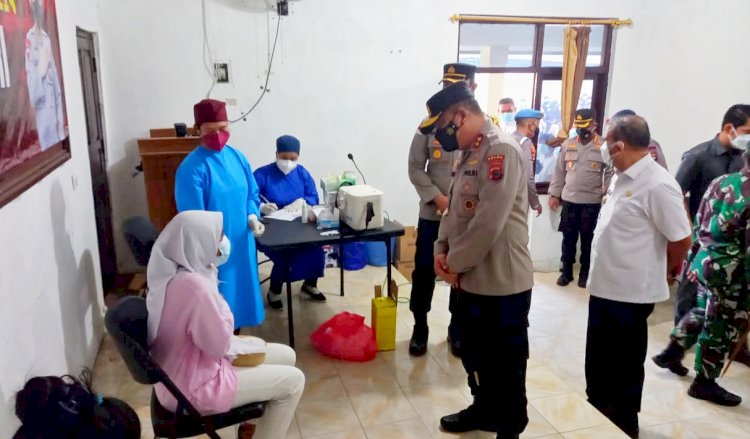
pixel 716 323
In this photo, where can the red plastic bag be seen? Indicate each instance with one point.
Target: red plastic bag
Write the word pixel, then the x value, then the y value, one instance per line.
pixel 346 337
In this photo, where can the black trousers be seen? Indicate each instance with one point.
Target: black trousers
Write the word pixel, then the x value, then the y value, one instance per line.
pixel 577 220
pixel 495 353
pixel 616 343
pixel 423 276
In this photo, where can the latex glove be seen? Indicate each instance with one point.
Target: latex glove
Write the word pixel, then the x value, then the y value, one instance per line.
pixel 268 208
pixel 296 206
pixel 254 224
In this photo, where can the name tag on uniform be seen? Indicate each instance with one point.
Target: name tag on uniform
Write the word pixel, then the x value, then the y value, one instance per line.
pixel 471 173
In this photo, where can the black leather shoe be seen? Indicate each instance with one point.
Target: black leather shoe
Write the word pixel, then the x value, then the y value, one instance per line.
pixel 564 279
pixel 583 279
pixel 274 300
pixel 314 293
pixel 418 342
pixel 455 345
pixel 464 421
pixel 671 358
pixel 708 390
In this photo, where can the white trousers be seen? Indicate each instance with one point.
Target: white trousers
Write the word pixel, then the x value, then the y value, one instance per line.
pixel 276 381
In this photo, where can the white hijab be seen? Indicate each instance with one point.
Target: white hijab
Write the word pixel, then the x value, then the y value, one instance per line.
pixel 188 243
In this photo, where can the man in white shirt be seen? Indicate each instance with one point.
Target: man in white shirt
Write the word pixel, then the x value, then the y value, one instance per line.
pixel 642 236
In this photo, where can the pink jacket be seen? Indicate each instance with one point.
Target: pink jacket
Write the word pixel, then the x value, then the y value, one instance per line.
pixel 192 340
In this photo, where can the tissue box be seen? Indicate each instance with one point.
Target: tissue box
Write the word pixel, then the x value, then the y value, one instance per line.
pixel 384 320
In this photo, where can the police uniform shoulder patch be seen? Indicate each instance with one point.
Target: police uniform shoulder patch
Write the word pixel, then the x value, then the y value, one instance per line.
pixel 496 167
pixel 478 141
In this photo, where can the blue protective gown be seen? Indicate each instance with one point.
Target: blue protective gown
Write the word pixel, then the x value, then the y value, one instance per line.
pixel 223 182
pixel 283 190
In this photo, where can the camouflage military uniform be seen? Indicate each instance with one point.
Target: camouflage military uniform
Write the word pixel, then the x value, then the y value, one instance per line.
pixel 719 261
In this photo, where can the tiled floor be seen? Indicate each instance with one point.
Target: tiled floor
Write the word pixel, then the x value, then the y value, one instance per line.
pixel 398 396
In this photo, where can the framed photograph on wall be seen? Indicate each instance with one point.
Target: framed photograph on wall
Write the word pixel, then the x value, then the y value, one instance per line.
pixel 33 119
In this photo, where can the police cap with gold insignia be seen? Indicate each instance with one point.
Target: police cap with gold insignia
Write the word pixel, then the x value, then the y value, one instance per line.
pixel 457 72
pixel 441 101
pixel 584 117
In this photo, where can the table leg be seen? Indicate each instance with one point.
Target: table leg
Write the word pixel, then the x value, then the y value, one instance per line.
pixel 290 313
pixel 341 267
pixel 388 260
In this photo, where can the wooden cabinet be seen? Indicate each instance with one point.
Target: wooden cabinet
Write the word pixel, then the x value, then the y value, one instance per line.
pixel 160 157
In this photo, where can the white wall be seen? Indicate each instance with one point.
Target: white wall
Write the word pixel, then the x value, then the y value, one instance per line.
pixel 353 76
pixel 50 287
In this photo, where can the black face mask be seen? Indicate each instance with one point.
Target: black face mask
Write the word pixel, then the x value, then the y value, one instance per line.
pixel 447 137
pixel 584 134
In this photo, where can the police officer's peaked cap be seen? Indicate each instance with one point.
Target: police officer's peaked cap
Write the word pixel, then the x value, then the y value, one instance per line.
pixel 441 101
pixel 584 117
pixel 457 72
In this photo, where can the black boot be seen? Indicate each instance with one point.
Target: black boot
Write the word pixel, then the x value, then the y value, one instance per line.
pixel 583 279
pixel 707 390
pixel 566 277
pixel 671 358
pixel 418 342
pixel 467 420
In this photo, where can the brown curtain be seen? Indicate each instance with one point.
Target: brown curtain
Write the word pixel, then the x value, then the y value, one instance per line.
pixel 575 49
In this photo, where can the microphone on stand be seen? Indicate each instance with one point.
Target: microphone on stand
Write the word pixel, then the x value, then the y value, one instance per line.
pixel 351 157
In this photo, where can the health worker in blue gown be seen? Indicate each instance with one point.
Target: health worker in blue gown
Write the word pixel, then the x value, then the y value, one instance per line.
pixel 286 184
pixel 218 178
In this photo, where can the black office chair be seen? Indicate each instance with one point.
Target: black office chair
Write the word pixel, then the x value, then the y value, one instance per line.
pixel 140 234
pixel 127 321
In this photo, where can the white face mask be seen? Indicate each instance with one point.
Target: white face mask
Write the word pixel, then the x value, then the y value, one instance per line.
pixel 741 141
pixel 286 166
pixel 606 157
pixel 225 249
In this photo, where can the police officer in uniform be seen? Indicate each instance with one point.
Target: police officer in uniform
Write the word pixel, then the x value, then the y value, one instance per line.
pixel 580 181
pixel 482 251
pixel 527 127
pixel 430 168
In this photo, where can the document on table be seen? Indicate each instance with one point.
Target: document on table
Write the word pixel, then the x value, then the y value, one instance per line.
pixel 284 215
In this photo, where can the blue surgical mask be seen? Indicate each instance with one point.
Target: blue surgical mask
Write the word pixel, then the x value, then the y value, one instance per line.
pixel 225 249
pixel 506 118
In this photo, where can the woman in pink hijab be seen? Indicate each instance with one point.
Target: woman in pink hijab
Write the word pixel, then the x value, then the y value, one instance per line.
pixel 190 330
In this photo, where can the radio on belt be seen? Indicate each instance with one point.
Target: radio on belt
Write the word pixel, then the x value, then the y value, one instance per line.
pixel 361 207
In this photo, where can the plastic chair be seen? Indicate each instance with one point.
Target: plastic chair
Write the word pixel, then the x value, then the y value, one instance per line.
pixel 127 321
